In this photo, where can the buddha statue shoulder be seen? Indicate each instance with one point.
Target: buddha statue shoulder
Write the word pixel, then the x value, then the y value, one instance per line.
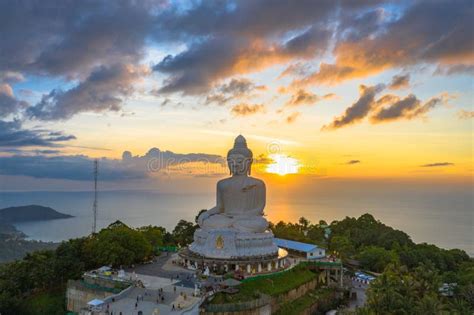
pixel 240 199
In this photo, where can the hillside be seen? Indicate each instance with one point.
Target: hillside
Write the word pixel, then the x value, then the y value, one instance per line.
pixel 30 213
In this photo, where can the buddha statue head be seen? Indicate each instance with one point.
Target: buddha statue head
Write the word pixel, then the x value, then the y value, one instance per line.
pixel 240 158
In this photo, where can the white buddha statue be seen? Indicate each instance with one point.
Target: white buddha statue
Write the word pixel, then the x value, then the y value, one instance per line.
pixel 240 198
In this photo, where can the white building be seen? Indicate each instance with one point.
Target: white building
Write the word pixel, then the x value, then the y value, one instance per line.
pixel 310 251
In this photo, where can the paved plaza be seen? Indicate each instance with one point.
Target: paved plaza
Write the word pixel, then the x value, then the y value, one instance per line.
pixel 160 296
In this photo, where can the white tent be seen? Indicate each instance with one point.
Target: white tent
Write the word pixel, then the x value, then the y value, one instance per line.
pixel 104 269
pixel 95 302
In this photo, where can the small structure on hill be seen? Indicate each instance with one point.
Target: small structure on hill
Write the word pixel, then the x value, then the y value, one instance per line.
pixel 310 251
pixel 101 284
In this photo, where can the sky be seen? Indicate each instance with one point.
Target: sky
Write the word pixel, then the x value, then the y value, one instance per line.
pixel 359 91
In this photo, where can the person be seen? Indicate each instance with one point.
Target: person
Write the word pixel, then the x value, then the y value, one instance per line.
pixel 172 308
pixel 136 305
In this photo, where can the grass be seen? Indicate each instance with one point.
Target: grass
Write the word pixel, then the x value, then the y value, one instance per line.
pixel 270 285
pixel 297 306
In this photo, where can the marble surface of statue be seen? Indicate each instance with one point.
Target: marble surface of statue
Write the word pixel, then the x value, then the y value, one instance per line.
pixel 235 228
pixel 240 198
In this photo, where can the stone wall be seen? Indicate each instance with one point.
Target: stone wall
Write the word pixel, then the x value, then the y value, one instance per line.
pixel 292 295
pixel 78 295
pixel 274 303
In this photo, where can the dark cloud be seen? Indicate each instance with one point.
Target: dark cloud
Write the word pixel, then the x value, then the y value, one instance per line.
pixel 79 167
pixel 247 109
pixel 292 117
pixel 103 90
pixel 71 38
pixel 455 69
pixel 241 39
pixel 302 97
pixel 410 39
pixel 352 162
pixel 399 82
pixel 386 108
pixel 358 26
pixel 195 70
pixel 359 109
pixel 260 18
pixel 11 77
pixel 13 135
pixel 438 164
pixel 408 108
pixel 235 89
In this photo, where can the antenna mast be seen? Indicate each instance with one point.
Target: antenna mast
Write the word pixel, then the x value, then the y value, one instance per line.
pixel 94 207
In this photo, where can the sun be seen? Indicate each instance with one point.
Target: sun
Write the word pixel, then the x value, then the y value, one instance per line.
pixel 282 165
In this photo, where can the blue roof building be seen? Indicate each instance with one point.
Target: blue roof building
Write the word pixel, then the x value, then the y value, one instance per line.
pixel 310 251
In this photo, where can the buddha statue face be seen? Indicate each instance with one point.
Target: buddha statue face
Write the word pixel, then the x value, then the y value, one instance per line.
pixel 239 164
pixel 239 158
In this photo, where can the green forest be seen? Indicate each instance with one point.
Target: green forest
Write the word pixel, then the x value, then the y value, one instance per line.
pixel 410 274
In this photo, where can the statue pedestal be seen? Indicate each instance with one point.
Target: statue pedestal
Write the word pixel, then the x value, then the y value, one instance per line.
pixel 232 244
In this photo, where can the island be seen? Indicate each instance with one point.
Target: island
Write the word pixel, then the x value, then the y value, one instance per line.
pixel 30 213
pixel 13 243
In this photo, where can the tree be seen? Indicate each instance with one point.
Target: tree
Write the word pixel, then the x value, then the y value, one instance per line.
pixel 183 233
pixel 304 223
pixel 376 258
pixel 342 245
pixel 153 234
pixel 117 245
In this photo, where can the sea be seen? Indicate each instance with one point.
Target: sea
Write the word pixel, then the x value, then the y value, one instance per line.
pixel 443 218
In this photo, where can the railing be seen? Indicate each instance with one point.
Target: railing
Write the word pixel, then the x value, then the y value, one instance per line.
pixel 323 263
pixel 238 306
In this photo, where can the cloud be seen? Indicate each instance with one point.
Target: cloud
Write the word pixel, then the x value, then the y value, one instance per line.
pixel 296 69
pixel 247 109
pixel 400 82
pixel 408 108
pixel 235 89
pixel 195 70
pixel 465 114
pixel 411 38
pixel 455 69
pixel 70 41
pixel 359 109
pixel 11 77
pixel 247 38
pixel 104 90
pixel 292 117
pixel 72 38
pixel 352 162
pixel 13 135
pixel 302 97
pixel 79 167
pixel 437 164
pixel 386 108
pixel 9 104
